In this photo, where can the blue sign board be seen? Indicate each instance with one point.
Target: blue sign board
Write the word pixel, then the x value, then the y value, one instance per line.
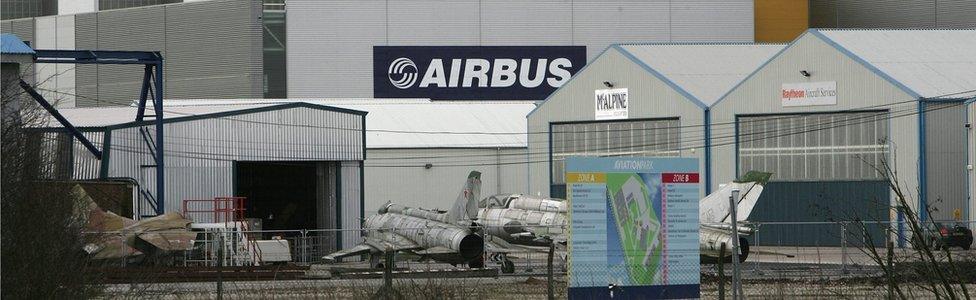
pixel 473 72
pixel 633 228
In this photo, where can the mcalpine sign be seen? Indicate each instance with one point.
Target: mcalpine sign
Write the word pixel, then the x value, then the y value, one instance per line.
pixel 473 72
pixel 809 93
pixel 611 104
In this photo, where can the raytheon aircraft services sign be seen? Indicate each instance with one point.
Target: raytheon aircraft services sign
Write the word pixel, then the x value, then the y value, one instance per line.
pixel 473 72
pixel 809 93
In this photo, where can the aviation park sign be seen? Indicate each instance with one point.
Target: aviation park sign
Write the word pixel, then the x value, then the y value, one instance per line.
pixel 633 228
pixel 473 72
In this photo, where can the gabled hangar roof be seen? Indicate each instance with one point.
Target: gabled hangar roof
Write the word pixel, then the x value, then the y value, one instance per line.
pixel 416 123
pixel 929 63
pixel 703 71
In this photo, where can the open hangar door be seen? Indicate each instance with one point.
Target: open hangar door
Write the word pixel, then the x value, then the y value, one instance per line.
pixel 823 167
pixel 285 197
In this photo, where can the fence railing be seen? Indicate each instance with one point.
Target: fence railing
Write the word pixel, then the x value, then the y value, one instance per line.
pixel 776 251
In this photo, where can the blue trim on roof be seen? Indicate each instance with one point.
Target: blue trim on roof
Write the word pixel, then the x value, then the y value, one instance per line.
pixel 923 211
pixel 866 64
pixel 761 66
pixel 11 44
pixel 540 104
pixel 660 76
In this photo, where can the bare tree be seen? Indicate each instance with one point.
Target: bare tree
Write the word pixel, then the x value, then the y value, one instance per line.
pixel 40 224
pixel 920 267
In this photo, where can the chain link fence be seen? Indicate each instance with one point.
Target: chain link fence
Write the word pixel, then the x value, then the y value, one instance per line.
pixel 785 259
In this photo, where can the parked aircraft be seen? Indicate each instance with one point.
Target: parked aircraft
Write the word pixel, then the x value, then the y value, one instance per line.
pixel 515 222
pixel 450 236
pixel 715 219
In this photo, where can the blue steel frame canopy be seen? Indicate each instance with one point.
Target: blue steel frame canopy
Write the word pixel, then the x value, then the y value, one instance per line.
pixel 152 83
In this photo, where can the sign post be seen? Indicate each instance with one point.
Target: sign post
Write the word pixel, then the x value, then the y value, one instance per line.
pixel 634 228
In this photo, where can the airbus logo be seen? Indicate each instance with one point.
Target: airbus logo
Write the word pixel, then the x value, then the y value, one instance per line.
pixel 403 73
pixel 473 72
pixel 502 72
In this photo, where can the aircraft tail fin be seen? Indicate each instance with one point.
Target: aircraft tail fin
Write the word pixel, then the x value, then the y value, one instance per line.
pixel 466 205
pixel 714 208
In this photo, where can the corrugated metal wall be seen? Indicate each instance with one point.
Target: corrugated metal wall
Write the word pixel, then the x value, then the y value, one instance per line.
pixel 330 42
pixel 946 160
pixel 212 49
pixel 200 153
pixel 56 82
pixel 649 98
pixel 352 192
pixel 24 29
pixel 399 175
pixel 858 88
pixel 892 14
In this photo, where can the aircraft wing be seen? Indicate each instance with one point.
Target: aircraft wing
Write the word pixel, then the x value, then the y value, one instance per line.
pixel 435 250
pixel 170 240
pixel 357 250
pixel 387 241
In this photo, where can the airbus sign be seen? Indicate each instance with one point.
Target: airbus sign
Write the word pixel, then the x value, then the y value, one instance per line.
pixel 473 72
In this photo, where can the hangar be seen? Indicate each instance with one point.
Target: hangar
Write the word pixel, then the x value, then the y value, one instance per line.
pixel 419 151
pixel 833 105
pixel 299 165
pixel 667 89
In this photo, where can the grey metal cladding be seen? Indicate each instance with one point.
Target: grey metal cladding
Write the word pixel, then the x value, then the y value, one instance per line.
pixel 213 50
pixel 406 29
pixel 330 42
pixel 946 159
pixel 956 13
pixel 330 46
pixel 647 21
pixel 881 13
pixel 23 28
pixel 86 76
pixel 136 29
pixel 712 21
pixel 517 22
pixel 892 14
pixel 351 202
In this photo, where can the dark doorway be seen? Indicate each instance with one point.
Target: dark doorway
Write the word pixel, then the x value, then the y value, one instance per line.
pixel 281 194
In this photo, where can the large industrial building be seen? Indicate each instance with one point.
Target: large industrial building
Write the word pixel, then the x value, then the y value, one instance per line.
pixel 834 105
pixel 666 90
pixel 418 151
pixel 821 114
pixel 312 49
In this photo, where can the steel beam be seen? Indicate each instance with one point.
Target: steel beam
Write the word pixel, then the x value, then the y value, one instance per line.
pixel 64 122
pixel 143 94
pixel 160 165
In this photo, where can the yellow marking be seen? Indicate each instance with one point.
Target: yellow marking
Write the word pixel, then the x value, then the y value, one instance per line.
pixel 586 177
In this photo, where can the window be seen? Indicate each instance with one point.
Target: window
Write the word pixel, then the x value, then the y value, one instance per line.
pixel 808 147
pixel 609 139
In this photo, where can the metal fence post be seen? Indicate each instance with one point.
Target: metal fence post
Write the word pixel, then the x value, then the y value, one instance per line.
pixel 721 273
pixel 304 246
pixel 736 283
pixel 843 247
pixel 220 266
pixel 552 250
